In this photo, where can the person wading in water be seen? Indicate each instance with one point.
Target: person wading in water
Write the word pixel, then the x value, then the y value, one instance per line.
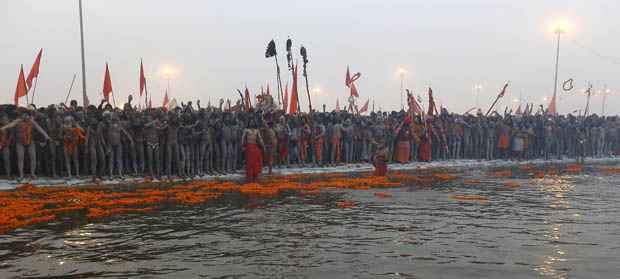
pixel 253 144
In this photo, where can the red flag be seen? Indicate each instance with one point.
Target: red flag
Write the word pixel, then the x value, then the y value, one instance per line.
pixel 21 90
pixel 431 102
pixel 142 78
pixel 364 107
pixel 247 100
pixel 354 90
pixel 107 84
pixel 414 107
pixel 294 94
pixel 165 103
pixel 337 105
pixel 34 71
pixel 518 112
pixel 285 98
pixel 552 107
pixel 347 79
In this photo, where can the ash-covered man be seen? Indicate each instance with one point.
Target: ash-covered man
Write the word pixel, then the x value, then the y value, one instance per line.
pixel 23 136
pixel 5 144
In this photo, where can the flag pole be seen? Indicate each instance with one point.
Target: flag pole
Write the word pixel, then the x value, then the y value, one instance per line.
pixel 84 97
pixel 501 94
pixel 34 90
pixel 70 87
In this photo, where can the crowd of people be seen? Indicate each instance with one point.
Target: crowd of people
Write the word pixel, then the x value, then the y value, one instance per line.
pixel 188 141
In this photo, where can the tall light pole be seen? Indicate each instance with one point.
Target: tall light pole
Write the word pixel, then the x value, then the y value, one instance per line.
pixel 558 30
pixel 84 96
pixel 477 88
pixel 605 92
pixel 401 72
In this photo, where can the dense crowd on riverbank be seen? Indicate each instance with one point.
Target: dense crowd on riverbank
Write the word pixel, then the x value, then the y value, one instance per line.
pixel 191 140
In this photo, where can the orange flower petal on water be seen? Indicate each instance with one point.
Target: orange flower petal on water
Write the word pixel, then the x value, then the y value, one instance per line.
pixel 345 204
pixel 512 184
pixel 574 168
pixel 382 195
pixel 471 181
pixel 504 173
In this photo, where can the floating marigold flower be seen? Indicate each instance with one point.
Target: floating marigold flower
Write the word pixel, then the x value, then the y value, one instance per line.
pixel 471 181
pixel 512 184
pixel 469 198
pixel 382 195
pixel 504 173
pixel 574 168
pixel 609 170
pixel 345 204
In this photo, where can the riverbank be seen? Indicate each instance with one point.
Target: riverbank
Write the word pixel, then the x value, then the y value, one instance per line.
pixel 450 165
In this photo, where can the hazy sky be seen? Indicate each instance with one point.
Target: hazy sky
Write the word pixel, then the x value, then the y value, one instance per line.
pixel 218 46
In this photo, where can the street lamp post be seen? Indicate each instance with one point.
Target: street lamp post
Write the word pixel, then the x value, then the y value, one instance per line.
pixel 84 96
pixel 401 72
pixel 558 30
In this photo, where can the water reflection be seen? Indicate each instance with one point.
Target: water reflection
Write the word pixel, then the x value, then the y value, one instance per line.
pixel 557 227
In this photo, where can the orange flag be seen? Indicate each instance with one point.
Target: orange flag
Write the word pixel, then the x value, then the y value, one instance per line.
pixel 165 103
pixel 431 102
pixel 142 78
pixel 552 107
pixel 285 98
pixel 347 79
pixel 34 71
pixel 247 99
pixel 365 107
pixel 107 84
pixel 294 94
pixel 21 90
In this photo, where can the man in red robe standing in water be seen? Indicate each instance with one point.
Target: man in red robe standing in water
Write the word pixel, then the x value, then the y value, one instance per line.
pixel 424 150
pixel 253 144
pixel 380 158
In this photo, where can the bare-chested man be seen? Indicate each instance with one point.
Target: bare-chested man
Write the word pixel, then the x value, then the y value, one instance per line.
pixel 23 136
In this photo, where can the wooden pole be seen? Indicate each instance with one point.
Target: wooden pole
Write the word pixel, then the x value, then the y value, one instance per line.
pixel 70 87
pixel 279 80
pixel 34 90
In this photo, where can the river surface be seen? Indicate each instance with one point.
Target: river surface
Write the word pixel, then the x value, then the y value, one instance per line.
pixel 566 226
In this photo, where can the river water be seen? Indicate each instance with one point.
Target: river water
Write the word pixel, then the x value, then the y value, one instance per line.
pixel 566 226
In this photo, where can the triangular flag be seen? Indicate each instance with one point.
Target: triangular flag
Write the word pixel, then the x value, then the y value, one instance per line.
pixel 347 79
pixel 294 94
pixel 285 99
pixel 142 78
pixel 552 107
pixel 268 93
pixel 364 107
pixel 150 102
pixel 337 105
pixel 34 71
pixel 165 103
pixel 431 102
pixel 107 84
pixel 247 100
pixel 518 112
pixel 21 90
